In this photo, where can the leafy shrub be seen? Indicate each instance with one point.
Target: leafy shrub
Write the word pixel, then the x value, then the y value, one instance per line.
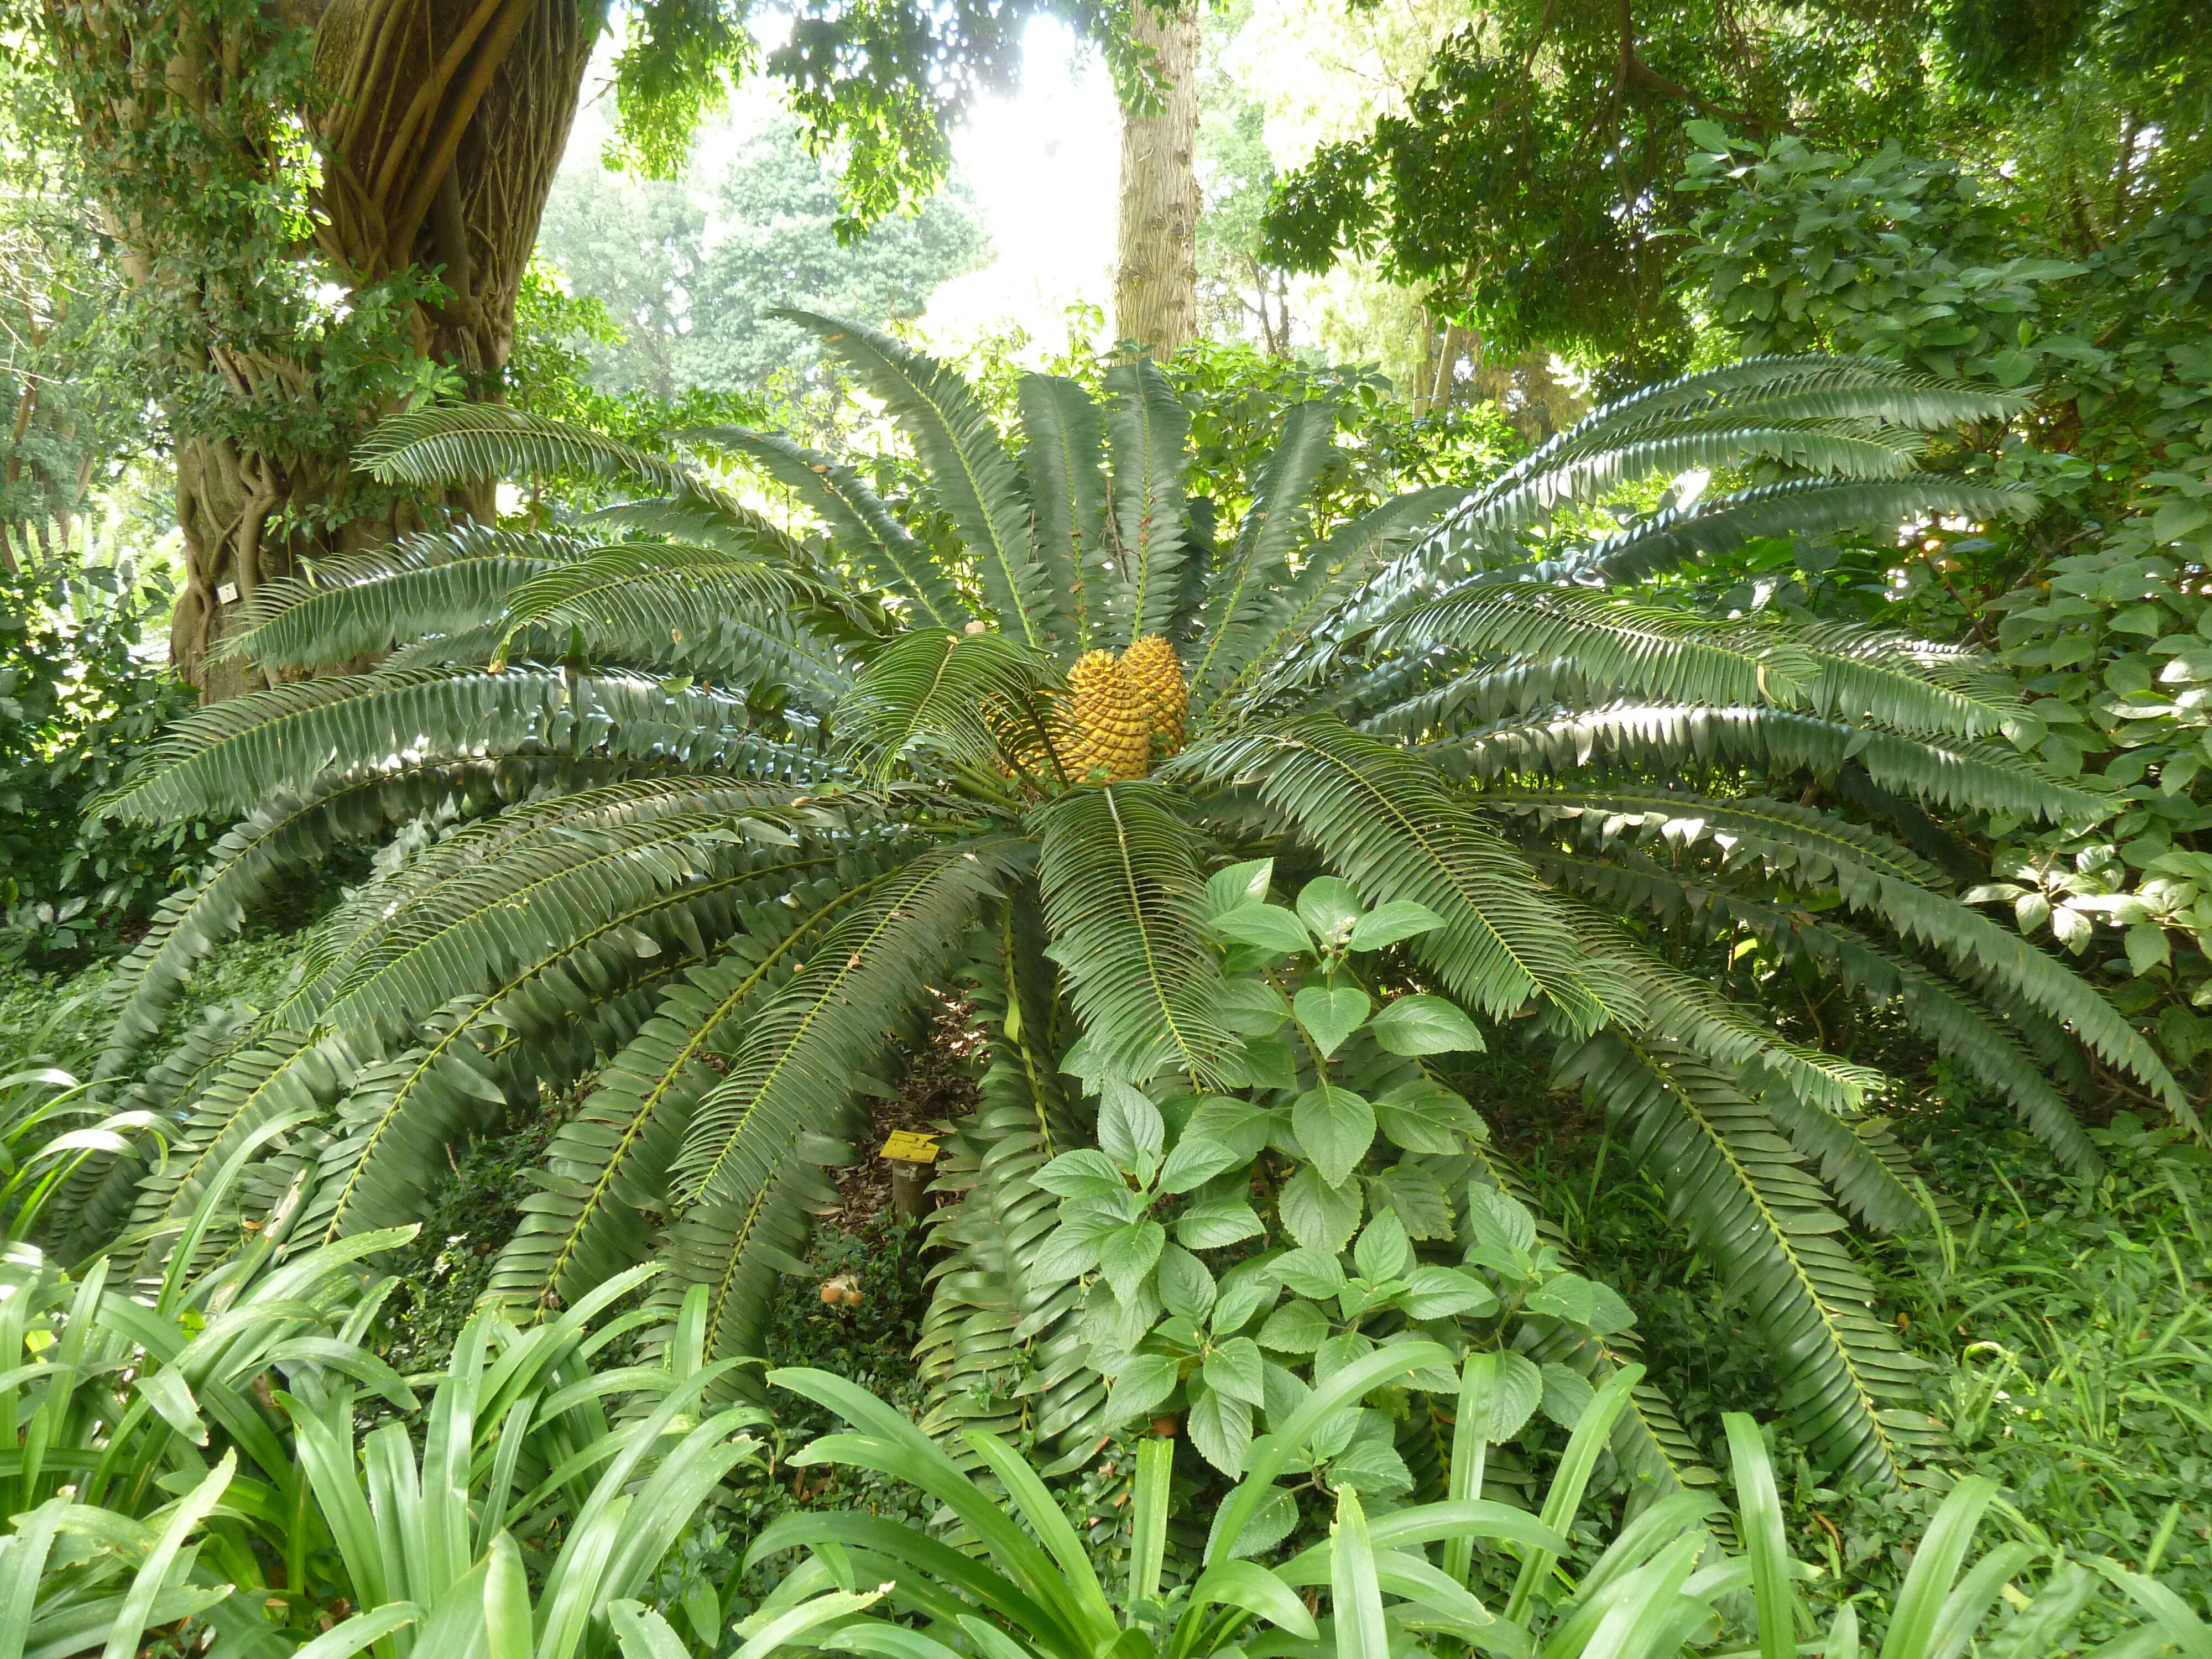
pixel 78 703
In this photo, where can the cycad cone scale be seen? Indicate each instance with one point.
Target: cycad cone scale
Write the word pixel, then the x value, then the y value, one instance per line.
pixel 1115 707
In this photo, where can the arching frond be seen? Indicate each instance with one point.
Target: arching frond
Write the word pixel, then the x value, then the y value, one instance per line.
pixel 459 443
pixel 1124 898
pixel 1148 431
pixel 1237 590
pixel 967 701
pixel 1959 1026
pixel 1063 444
pixel 651 587
pixel 606 1169
pixel 790 1085
pixel 1346 558
pixel 1646 650
pixel 227 756
pixel 1652 737
pixel 284 833
pixel 1803 507
pixel 969 470
pixel 1747 1201
pixel 1385 824
pixel 859 521
pixel 1000 1348
pixel 442 583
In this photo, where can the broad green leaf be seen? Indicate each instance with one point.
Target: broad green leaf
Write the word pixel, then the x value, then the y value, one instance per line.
pixel 1238 885
pixel 1127 1254
pixel 1317 1214
pixel 1130 1129
pixel 1566 1396
pixel 1440 1292
pixel 1296 1327
pixel 1310 1272
pixel 1423 1024
pixel 1085 1173
pixel 1235 1368
pixel 1499 1219
pixel 1422 1117
pixel 1383 1251
pixel 1331 908
pixel 1331 1016
pixel 1195 1161
pixel 1214 1222
pixel 1185 1286
pixel 1335 1128
pixel 1140 1385
pixel 1386 924
pixel 1251 1007
pixel 1221 1428
pixel 1269 926
pixel 1243 1295
pixel 1239 1124
pixel 1514 1392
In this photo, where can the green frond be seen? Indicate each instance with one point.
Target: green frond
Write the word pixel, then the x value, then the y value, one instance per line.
pixel 1124 897
pixel 1781 836
pixel 790 1085
pixel 957 698
pixel 1600 471
pixel 1648 651
pixel 859 990
pixel 1148 434
pixel 443 583
pixel 1263 658
pixel 651 588
pixel 974 478
pixel 1815 1098
pixel 1749 1205
pixel 1959 1026
pixel 1385 824
pixel 284 833
pixel 858 520
pixel 1802 507
pixel 606 1169
pixel 461 443
pixel 1238 591
pixel 1655 737
pixel 1000 1348
pixel 1786 388
pixel 1063 447
pixel 223 758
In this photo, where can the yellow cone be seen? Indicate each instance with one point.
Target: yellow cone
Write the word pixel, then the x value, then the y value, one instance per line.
pixel 1106 725
pixel 1150 666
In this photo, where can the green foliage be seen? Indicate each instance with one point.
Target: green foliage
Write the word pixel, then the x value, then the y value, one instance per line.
pixel 1663 1584
pixel 77 706
pixel 2093 604
pixel 689 316
pixel 731 930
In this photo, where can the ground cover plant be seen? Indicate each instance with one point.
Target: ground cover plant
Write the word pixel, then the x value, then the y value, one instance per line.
pixel 765 789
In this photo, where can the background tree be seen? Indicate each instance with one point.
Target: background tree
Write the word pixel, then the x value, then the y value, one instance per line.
pixel 691 289
pixel 1156 243
pixel 326 211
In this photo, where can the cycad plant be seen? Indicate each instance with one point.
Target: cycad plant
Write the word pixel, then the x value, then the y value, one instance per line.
pixel 709 805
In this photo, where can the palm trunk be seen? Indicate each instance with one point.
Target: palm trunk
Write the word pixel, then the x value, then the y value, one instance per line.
pixel 1156 275
pixel 440 123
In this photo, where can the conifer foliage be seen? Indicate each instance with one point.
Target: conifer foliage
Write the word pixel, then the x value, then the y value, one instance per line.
pixel 677 798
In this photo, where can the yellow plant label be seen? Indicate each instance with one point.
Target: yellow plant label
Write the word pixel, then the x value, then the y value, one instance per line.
pixel 908 1147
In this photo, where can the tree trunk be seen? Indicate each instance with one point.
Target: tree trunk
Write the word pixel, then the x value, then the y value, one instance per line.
pixel 440 123
pixel 1156 274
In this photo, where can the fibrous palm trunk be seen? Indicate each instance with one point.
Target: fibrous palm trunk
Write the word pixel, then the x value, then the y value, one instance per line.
pixel 439 124
pixel 1156 274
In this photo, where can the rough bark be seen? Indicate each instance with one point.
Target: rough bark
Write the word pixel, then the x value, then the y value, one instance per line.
pixel 440 123
pixel 1156 265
